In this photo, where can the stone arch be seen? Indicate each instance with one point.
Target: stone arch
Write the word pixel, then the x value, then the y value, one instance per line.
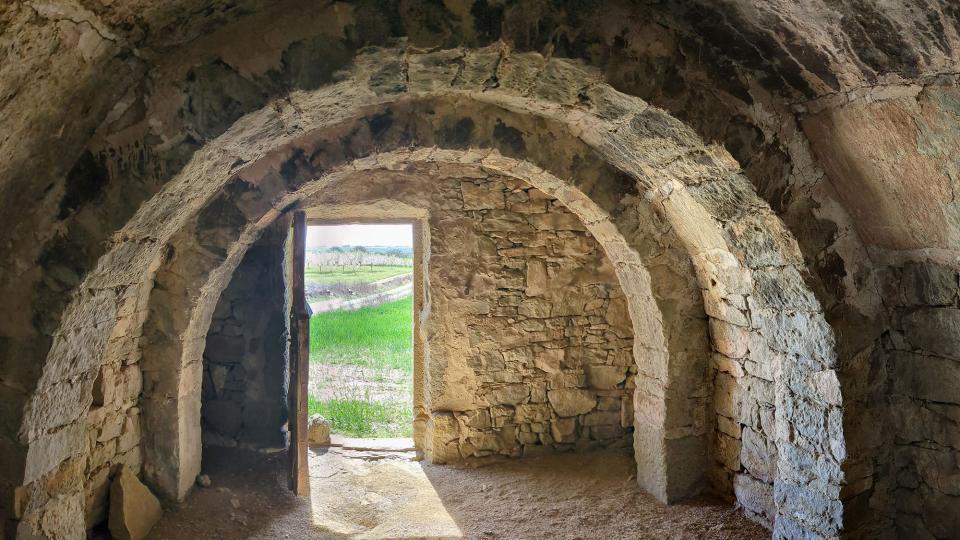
pixel 176 347
pixel 559 118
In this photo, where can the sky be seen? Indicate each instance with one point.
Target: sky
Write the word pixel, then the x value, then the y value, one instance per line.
pixel 360 235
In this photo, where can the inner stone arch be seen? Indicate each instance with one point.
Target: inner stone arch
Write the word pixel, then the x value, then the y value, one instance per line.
pixel 650 440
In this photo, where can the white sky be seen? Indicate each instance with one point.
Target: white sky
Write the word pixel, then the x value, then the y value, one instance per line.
pixel 360 235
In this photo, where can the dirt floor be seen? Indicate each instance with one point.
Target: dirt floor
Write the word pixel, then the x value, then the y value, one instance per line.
pixel 362 493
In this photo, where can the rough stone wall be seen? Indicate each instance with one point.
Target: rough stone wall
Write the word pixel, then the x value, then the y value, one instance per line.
pixel 112 431
pixel 526 300
pixel 529 343
pixel 923 366
pixel 512 140
pixel 768 58
pixel 244 396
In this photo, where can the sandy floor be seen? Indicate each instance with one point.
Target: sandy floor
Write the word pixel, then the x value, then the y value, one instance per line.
pixel 358 493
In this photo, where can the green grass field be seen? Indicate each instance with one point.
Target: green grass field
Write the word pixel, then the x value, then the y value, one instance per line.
pixel 378 339
pixel 361 418
pixel 350 275
pixel 375 336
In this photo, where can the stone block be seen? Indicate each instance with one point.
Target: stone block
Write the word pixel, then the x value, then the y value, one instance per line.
pixel 755 455
pixel 481 197
pixel 134 510
pixel 935 330
pixel 563 429
pixel 510 394
pixel 929 284
pixel 925 377
pixel 533 413
pixel 604 377
pixel 571 401
pixel 754 495
pixel 318 431
pixel 728 339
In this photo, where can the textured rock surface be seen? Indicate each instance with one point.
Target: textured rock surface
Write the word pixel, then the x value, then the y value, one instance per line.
pixel 872 87
pixel 319 433
pixel 671 396
pixel 133 509
pixel 245 357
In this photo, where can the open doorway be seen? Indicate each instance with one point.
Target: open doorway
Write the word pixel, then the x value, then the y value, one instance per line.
pixel 358 282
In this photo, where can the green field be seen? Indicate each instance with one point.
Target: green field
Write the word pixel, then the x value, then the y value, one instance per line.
pixel 378 339
pixel 353 274
pixel 362 418
pixel 375 336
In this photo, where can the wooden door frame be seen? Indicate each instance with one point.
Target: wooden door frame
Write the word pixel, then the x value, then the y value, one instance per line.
pixel 299 472
pixel 420 231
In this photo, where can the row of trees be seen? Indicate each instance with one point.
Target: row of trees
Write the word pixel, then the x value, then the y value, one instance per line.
pixel 394 252
pixel 336 257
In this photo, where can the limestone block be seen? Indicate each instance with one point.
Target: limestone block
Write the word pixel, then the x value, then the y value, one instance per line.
pixel 556 221
pixel 536 308
pixel 604 377
pixel 130 437
pixel 755 455
pixel 563 429
pixel 626 411
pixel 726 398
pixel 926 377
pixel 481 197
pixel 318 432
pixel 133 509
pixel 549 360
pixel 929 284
pixel 571 401
pixel 728 339
pixel 827 386
pixel 510 394
pixel 536 277
pixel 728 452
pixel 602 418
pixel 533 413
pixel 935 331
pixel 728 426
pixel 754 495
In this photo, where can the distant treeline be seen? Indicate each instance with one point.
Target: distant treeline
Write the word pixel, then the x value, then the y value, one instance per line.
pixel 401 252
pixel 356 257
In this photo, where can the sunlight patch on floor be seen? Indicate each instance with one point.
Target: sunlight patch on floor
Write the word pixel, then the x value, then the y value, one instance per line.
pixel 363 493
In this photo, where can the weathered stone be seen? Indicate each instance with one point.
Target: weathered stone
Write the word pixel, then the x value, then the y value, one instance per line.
pixel 133 509
pixel 926 377
pixel 604 377
pixel 935 331
pixel 480 197
pixel 571 401
pixel 510 394
pixel 563 429
pixel 318 430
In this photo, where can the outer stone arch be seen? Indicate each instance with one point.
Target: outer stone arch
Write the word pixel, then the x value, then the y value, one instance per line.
pixel 553 113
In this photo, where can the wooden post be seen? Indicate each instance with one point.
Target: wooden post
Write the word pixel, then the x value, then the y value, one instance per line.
pixel 299 476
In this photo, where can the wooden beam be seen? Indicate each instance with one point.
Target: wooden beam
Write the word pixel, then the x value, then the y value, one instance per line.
pixel 299 474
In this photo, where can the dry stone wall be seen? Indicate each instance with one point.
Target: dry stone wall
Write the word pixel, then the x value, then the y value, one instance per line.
pixel 528 338
pixel 531 306
pixel 923 366
pixel 647 150
pixel 245 360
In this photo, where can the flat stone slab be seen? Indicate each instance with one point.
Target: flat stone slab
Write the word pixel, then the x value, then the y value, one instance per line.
pixel 373 445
